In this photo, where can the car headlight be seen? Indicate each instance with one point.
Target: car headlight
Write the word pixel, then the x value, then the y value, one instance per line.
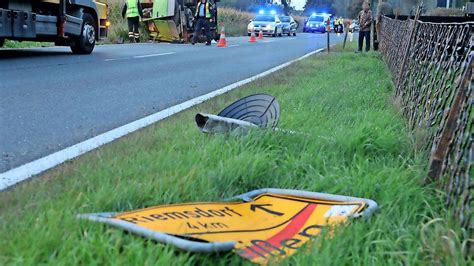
pixel 270 26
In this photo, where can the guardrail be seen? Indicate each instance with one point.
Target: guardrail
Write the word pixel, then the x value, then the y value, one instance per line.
pixel 432 64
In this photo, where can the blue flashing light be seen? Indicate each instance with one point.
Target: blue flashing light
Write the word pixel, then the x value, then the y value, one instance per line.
pixel 314 14
pixel 261 11
pixel 273 12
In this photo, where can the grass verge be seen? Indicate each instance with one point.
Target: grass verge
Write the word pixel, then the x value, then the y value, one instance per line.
pixel 25 44
pixel 356 145
pixel 235 21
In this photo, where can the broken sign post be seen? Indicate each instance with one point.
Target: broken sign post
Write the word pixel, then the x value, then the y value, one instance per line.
pixel 217 124
pixel 261 226
pixel 254 111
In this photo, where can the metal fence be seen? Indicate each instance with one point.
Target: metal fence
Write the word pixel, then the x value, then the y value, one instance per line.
pixel 432 67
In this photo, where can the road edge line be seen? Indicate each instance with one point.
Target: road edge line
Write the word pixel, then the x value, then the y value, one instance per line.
pixel 38 166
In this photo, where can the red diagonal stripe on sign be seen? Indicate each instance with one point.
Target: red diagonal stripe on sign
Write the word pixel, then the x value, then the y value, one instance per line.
pixel 289 231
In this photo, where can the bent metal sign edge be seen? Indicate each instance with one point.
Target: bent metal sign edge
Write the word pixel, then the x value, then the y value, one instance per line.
pixel 271 227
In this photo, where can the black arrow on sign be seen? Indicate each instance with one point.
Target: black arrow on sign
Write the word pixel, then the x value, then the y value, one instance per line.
pixel 253 207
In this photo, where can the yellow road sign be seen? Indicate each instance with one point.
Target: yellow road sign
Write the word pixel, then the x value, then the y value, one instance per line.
pixel 270 227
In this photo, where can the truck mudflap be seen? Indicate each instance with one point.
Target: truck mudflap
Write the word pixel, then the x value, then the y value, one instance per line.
pixel 46 25
pixel 73 26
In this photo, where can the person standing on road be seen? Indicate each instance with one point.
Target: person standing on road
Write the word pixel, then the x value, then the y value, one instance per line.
pixel 202 18
pixel 365 21
pixel 132 10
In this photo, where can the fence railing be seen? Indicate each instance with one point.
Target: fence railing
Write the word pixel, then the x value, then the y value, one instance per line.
pixel 432 64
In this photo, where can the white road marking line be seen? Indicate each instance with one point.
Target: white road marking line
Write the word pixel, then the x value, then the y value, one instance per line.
pixel 137 57
pixel 28 170
pixel 152 55
pixel 268 41
pixel 115 59
pixel 292 38
pixel 123 44
pixel 233 45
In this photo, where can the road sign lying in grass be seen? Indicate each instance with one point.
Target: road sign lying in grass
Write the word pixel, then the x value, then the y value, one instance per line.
pixel 261 226
pixel 253 111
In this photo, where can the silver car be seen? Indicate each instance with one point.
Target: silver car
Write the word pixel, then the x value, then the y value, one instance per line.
pixel 289 25
pixel 268 24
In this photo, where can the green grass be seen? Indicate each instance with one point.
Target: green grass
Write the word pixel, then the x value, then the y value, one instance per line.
pixel 235 21
pixel 26 44
pixel 356 145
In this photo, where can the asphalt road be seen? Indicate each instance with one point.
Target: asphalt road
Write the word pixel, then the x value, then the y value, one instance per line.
pixel 51 99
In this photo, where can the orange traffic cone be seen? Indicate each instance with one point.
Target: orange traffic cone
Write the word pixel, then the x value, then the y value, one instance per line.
pixel 222 40
pixel 252 37
pixel 260 35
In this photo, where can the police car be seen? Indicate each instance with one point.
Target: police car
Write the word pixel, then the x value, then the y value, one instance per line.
pixel 316 23
pixel 267 22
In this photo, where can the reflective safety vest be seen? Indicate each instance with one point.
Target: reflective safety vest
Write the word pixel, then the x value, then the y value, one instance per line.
pixel 132 9
pixel 207 13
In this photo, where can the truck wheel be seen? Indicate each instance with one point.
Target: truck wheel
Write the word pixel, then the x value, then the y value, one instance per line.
pixel 2 42
pixel 84 44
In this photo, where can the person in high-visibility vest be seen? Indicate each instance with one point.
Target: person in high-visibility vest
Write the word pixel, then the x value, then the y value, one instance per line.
pixel 132 10
pixel 341 25
pixel 202 18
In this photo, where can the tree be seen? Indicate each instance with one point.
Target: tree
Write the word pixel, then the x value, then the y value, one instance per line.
pixel 286 6
pixel 238 4
pixel 341 7
pixel 318 6
pixel 354 8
